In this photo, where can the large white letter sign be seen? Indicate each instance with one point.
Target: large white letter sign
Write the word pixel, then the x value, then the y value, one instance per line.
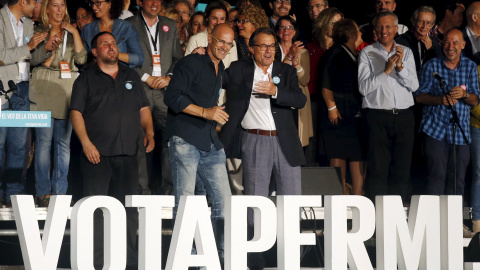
pixel 115 233
pixel 414 246
pixel 150 227
pixel 192 222
pixel 265 228
pixel 289 237
pixel 451 223
pixel 342 246
pixel 41 254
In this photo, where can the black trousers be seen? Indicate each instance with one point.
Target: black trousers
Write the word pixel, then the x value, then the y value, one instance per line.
pixel 439 155
pixel 390 143
pixel 114 176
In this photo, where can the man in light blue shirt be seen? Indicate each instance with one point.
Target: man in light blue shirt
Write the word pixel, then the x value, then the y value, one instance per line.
pixel 387 78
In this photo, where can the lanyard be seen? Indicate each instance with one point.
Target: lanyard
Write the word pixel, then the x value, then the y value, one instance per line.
pixel 154 41
pixel 64 44
pixel 350 53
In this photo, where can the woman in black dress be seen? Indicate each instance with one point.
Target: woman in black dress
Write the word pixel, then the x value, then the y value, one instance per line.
pixel 340 123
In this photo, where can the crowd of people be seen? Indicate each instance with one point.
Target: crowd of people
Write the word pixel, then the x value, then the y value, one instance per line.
pixel 233 101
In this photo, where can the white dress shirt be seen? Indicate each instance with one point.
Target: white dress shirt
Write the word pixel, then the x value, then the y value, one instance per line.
pixel 152 30
pixel 382 91
pixel 23 66
pixel 259 114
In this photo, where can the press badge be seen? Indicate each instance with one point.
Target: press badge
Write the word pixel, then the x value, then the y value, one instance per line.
pixel 65 71
pixel 157 69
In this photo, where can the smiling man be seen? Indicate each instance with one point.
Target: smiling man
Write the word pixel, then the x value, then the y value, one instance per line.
pixel 261 129
pixel 315 7
pixel 387 78
pixel 461 78
pixel 194 148
pixel 423 47
pixel 161 49
pixel 279 8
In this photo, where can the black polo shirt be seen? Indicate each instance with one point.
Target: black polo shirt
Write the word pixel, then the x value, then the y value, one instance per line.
pixel 110 108
pixel 194 82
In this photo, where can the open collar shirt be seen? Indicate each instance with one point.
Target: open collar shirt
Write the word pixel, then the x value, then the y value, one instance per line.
pixel 436 118
pixel 382 91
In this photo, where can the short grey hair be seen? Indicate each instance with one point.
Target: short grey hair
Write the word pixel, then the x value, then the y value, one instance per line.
pixel 417 11
pixel 385 14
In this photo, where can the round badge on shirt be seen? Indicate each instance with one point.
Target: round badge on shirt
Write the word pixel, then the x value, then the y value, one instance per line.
pixel 166 28
pixel 276 80
pixel 129 86
pixel 27 39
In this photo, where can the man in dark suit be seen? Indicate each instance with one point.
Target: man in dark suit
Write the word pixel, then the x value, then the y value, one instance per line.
pixel 260 97
pixel 161 48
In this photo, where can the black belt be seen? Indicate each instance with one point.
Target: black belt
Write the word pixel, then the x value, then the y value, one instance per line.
pixel 390 111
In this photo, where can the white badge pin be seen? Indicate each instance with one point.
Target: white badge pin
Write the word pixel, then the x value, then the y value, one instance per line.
pixel 166 28
pixel 276 80
pixel 128 86
pixel 27 39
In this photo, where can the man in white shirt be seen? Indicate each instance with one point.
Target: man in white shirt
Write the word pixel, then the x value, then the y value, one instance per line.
pixel 261 95
pixel 471 33
pixel 161 49
pixel 386 79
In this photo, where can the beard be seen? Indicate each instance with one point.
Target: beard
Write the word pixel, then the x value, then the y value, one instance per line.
pixel 108 60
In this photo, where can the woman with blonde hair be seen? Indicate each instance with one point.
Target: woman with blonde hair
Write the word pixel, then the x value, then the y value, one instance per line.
pixel 50 90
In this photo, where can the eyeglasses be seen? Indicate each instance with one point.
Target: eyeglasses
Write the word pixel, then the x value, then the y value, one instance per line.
pixel 263 47
pixel 285 2
pixel 286 27
pixel 97 3
pixel 317 6
pixel 223 42
pixel 427 23
pixel 242 21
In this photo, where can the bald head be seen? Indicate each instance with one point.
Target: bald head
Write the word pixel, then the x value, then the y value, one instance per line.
pixel 220 41
pixel 222 28
pixel 453 44
pixel 472 11
pixel 454 32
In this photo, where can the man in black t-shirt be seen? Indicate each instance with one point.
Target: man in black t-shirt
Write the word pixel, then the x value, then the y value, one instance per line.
pixel 107 107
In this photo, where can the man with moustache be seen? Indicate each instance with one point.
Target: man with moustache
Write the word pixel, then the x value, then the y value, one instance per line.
pixel 261 129
pixel 193 114
pixel 423 47
pixel 461 79
pixel 387 78
pixel 107 107
pixel 19 48
pixel 161 49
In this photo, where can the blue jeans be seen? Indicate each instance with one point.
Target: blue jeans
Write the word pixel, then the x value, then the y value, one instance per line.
pixel 12 146
pixel 59 132
pixel 475 154
pixel 187 162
